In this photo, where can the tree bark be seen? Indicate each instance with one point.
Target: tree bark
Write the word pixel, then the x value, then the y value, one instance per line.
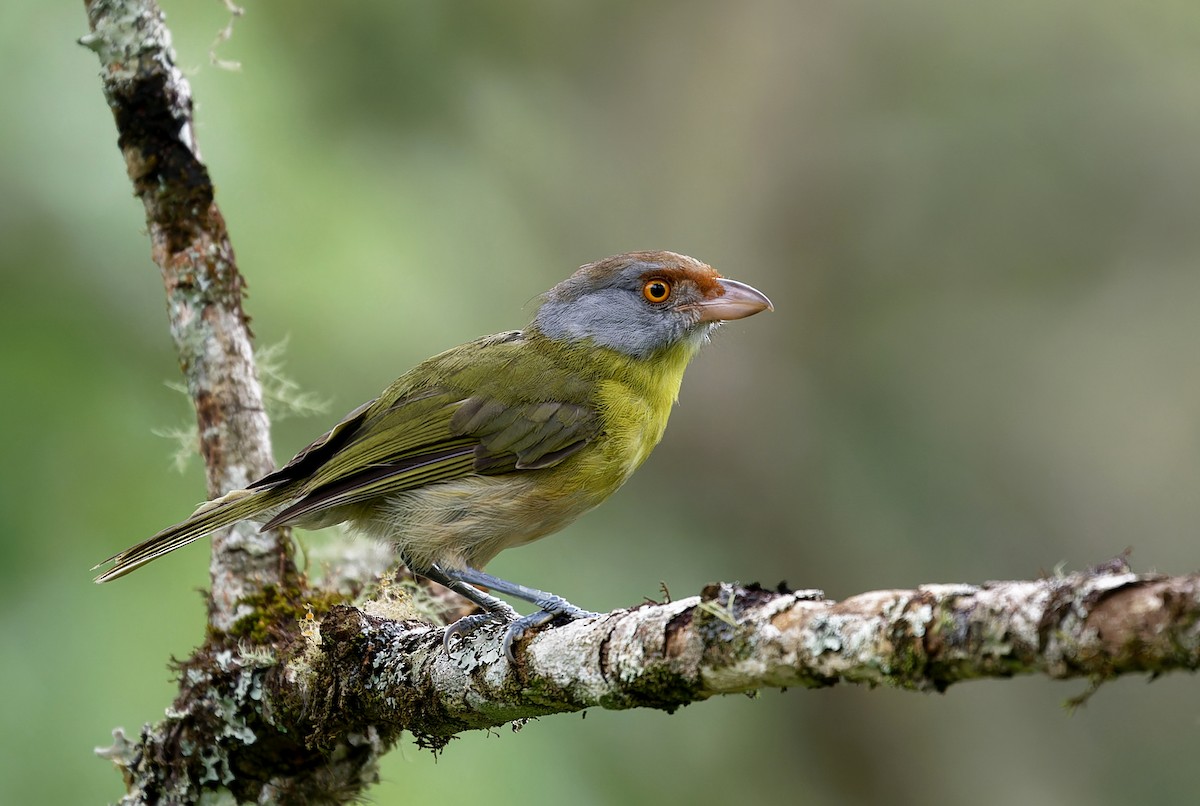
pixel 152 104
pixel 295 694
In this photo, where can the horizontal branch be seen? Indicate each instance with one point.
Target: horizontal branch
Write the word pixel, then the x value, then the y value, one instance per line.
pixel 326 701
pixel 370 671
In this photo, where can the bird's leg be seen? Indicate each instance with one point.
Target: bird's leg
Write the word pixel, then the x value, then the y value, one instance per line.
pixel 494 609
pixel 551 605
pixel 446 578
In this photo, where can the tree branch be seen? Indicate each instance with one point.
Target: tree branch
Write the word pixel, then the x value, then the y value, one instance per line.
pixel 395 676
pixel 308 724
pixel 152 104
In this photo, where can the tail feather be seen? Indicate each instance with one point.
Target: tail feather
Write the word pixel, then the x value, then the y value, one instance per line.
pixel 210 516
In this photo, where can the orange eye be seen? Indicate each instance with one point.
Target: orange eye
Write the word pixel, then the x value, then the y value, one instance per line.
pixel 656 290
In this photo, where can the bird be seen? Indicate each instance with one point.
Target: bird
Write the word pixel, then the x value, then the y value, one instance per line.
pixel 499 441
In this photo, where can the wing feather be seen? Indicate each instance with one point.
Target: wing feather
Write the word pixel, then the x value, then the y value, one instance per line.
pixel 412 436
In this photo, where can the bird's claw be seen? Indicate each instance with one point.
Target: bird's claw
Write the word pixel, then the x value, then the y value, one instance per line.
pixel 516 627
pixel 466 625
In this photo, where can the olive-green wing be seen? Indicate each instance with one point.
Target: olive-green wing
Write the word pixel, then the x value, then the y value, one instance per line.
pixel 526 436
pixel 430 437
pixel 318 452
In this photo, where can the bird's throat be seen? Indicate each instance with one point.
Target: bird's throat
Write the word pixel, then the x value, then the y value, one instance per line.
pixel 636 398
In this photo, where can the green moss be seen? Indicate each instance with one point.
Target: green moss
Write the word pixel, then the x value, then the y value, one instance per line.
pixel 727 642
pixel 909 663
pixel 275 613
pixel 656 687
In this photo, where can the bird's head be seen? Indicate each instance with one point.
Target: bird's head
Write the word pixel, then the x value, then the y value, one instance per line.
pixel 641 302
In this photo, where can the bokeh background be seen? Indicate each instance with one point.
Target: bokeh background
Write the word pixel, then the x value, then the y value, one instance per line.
pixel 979 224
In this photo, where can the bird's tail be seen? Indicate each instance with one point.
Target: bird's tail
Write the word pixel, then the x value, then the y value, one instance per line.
pixel 210 516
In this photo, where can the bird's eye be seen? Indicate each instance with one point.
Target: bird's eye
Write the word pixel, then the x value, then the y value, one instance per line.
pixel 656 290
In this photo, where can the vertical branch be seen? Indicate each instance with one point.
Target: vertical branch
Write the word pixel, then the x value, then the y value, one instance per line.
pixel 152 104
pixel 219 740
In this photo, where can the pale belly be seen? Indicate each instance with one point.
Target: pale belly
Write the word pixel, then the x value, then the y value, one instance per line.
pixel 468 521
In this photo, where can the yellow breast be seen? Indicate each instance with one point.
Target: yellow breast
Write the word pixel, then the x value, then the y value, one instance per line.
pixel 635 402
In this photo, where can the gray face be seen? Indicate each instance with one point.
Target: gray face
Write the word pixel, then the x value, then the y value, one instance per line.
pixel 605 302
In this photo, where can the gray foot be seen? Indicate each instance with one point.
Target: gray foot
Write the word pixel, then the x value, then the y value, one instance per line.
pixel 517 629
pixel 467 625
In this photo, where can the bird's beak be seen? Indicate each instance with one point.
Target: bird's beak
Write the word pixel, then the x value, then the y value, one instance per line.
pixel 738 302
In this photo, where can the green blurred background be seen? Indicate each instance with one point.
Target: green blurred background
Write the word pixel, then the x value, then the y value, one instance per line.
pixel 978 222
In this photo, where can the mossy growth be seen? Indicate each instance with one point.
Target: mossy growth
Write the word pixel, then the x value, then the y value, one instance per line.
pixel 657 686
pixel 276 613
